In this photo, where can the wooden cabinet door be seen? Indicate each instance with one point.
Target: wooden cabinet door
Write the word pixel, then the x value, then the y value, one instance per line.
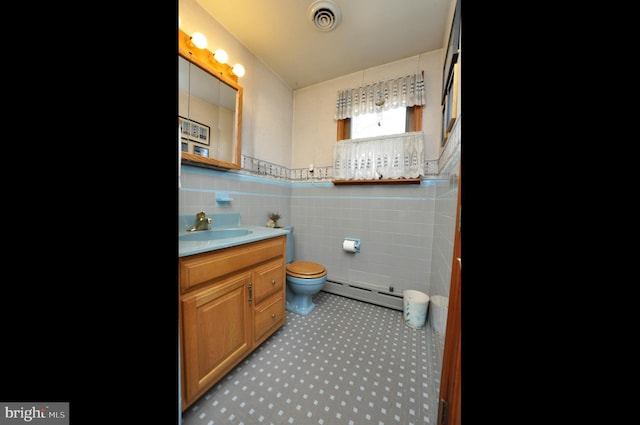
pixel 216 332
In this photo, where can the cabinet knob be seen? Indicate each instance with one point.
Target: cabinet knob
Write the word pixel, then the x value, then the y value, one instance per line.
pixel 273 282
pixel 273 315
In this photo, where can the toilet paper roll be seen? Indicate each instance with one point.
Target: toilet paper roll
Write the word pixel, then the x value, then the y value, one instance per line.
pixel 349 246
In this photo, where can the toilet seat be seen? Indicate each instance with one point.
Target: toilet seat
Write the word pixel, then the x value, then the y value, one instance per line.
pixel 306 270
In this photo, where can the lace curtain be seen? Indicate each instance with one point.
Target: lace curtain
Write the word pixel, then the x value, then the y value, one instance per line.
pixel 384 157
pixel 381 96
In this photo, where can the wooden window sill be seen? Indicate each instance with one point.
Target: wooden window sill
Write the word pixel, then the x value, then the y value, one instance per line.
pixel 381 181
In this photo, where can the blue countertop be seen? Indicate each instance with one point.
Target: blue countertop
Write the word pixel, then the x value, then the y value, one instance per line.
pixel 257 233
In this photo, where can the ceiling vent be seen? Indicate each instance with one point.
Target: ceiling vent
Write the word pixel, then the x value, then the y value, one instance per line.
pixel 324 15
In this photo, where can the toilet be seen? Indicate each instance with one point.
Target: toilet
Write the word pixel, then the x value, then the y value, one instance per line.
pixel 304 280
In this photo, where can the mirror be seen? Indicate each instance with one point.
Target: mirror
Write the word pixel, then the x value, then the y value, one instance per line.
pixel 209 108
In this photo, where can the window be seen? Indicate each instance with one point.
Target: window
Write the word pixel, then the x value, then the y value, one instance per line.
pixel 405 92
pixel 394 121
pixel 388 122
pixel 450 77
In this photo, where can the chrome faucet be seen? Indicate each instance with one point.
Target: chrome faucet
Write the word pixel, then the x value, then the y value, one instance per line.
pixel 202 222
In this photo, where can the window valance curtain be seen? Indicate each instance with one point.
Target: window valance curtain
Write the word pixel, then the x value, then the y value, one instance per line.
pixel 381 96
pixel 383 157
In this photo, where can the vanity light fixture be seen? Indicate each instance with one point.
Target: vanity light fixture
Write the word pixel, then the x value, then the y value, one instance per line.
pixel 221 56
pixel 238 70
pixel 199 40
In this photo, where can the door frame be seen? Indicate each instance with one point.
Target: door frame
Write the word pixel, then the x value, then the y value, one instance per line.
pixel 449 404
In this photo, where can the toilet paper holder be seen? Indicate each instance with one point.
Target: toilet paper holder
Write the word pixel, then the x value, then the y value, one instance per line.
pixel 356 243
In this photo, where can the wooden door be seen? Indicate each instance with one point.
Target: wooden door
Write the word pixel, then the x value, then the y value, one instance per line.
pixel 216 333
pixel 449 406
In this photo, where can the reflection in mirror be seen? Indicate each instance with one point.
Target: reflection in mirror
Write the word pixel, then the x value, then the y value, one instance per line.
pixel 209 109
pixel 206 107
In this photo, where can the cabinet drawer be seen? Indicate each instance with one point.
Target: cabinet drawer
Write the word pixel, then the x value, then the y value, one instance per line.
pixel 268 279
pixel 200 268
pixel 268 317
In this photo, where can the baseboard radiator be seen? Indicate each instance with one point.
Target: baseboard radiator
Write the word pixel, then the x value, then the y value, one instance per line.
pixel 369 295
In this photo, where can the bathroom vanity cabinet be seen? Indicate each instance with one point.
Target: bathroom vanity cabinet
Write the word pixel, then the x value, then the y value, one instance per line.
pixel 231 301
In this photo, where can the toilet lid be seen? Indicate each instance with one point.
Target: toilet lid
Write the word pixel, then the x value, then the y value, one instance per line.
pixel 305 269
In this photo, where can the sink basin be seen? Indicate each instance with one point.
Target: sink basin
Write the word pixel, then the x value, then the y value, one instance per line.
pixel 207 235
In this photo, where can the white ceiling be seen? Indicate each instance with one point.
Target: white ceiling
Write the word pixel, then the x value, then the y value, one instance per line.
pixel 371 33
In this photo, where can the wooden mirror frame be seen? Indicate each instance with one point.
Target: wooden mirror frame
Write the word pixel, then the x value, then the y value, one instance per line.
pixel 203 58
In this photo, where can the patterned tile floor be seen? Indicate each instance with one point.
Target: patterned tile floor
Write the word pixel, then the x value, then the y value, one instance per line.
pixel 347 362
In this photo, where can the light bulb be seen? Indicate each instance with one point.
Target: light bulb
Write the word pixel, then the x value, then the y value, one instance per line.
pixel 199 40
pixel 238 70
pixel 221 56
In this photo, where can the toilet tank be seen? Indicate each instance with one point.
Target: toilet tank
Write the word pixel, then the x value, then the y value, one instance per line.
pixel 290 251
